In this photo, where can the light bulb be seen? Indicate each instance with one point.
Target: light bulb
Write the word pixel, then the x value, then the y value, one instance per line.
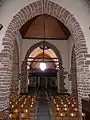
pixel 10 103
pixel 72 105
pixel 16 111
pixel 57 109
pixel 61 114
pixel 62 103
pixel 57 105
pixel 83 114
pixel 65 109
pixel 22 106
pixel 31 106
pixel 42 66
pixel 72 114
pixel 12 106
pixel 26 110
pixel 54 100
pixel 16 103
pixel 75 109
pixel 65 105
pixel 10 115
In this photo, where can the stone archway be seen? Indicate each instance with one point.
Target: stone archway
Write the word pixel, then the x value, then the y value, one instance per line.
pixel 24 66
pixel 15 71
pixel 10 73
pixel 73 72
pixel 60 13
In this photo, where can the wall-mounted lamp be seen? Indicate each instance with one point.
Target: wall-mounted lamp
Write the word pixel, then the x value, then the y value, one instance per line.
pixel 1 26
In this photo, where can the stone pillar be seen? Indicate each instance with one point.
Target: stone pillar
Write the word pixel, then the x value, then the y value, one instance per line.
pixel 61 79
pixel 38 81
pixel 15 72
pixel 58 82
pixel 19 86
pixel 62 88
pixel 23 77
pixel 46 83
pixel 5 82
pixel 9 72
pixel 27 82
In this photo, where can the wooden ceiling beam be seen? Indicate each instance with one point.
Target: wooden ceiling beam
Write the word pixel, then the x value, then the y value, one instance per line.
pixel 41 58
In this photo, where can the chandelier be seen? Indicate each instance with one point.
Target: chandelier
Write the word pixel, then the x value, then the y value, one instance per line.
pixel 43 47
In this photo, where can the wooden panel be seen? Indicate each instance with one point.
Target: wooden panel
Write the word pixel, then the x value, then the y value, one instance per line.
pixel 86 108
pixel 44 26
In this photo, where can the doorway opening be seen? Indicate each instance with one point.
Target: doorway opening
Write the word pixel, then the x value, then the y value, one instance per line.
pixel 37 78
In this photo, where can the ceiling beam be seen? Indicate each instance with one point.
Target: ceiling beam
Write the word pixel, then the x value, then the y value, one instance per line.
pixel 42 38
pixel 41 61
pixel 41 58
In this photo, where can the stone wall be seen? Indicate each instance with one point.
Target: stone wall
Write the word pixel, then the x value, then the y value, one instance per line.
pixel 9 69
pixel 15 72
pixel 73 72
pixel 23 88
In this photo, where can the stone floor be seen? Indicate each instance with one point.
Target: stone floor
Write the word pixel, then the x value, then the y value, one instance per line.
pixel 43 108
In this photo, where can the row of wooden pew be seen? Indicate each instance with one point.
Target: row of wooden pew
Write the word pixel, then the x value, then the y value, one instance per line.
pixel 64 107
pixel 22 108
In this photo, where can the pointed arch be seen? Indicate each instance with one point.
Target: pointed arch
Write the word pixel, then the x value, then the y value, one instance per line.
pixel 24 64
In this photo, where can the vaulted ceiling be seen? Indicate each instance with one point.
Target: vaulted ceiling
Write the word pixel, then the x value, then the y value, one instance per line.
pixel 44 26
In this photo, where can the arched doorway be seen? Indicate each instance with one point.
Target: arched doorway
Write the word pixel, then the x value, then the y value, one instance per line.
pixel 57 11
pixel 56 52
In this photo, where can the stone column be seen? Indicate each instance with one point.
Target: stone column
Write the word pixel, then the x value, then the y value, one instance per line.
pixel 61 83
pixel 23 77
pixel 61 79
pixel 27 82
pixel 19 86
pixel 46 83
pixel 38 81
pixel 58 82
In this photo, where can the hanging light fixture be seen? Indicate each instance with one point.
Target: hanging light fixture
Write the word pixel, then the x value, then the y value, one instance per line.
pixel 43 64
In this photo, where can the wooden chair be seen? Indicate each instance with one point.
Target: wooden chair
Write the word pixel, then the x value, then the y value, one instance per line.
pixel 2 115
pixel 12 116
